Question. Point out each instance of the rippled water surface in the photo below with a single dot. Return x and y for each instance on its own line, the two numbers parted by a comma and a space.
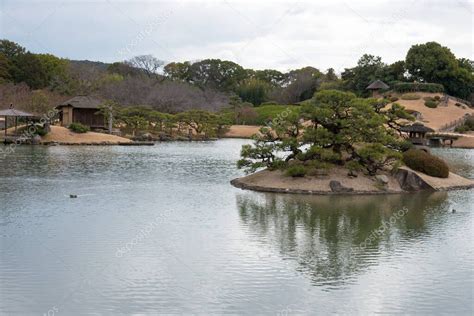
160, 230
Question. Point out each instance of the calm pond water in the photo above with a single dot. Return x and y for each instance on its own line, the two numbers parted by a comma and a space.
160, 230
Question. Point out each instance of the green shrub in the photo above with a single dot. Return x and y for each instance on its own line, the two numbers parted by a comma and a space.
267, 113
437, 98
422, 87
461, 129
419, 160
410, 96
467, 126
393, 99
431, 104
296, 171
406, 145
318, 168
78, 128
470, 122
278, 164
458, 104
41, 131
354, 166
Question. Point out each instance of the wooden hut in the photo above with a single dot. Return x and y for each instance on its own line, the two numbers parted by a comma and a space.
82, 109
376, 87
417, 132
12, 114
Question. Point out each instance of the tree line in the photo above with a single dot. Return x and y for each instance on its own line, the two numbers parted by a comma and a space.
214, 84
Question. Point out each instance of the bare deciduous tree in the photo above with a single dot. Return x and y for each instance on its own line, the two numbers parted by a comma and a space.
147, 63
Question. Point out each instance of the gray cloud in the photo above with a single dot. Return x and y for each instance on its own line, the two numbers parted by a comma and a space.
257, 34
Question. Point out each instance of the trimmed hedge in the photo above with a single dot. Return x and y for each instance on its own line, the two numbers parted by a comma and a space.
393, 99
431, 104
410, 96
78, 128
420, 160
422, 87
296, 171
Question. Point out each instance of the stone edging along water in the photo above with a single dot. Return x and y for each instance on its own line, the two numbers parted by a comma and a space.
409, 182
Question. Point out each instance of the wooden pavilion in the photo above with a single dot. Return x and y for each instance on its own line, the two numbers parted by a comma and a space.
82, 109
10, 113
376, 87
417, 133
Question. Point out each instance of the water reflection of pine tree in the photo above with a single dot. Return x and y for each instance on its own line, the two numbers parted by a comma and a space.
323, 234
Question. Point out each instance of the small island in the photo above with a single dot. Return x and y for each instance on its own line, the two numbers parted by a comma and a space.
341, 144
337, 182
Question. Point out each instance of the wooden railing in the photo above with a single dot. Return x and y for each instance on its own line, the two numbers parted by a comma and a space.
453, 124
460, 100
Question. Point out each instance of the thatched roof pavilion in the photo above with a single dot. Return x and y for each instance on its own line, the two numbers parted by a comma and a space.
15, 113
82, 102
376, 86
11, 112
82, 109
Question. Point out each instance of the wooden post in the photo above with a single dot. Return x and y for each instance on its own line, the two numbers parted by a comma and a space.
111, 120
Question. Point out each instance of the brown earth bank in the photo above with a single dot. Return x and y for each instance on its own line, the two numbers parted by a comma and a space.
337, 182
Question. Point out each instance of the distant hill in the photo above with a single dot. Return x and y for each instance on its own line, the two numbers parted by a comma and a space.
92, 64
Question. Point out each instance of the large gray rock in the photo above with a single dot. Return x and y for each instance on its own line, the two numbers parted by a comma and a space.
410, 181
36, 140
382, 179
336, 186
143, 137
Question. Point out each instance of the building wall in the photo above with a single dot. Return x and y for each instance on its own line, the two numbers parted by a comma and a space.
88, 117
67, 115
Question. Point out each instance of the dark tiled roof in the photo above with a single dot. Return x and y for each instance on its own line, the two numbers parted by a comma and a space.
82, 102
417, 128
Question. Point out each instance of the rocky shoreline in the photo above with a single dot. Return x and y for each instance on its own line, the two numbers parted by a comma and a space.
404, 181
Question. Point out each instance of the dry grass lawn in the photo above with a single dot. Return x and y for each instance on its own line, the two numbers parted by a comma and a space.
438, 117
61, 134
242, 131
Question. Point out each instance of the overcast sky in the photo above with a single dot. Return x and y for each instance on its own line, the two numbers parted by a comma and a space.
257, 34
